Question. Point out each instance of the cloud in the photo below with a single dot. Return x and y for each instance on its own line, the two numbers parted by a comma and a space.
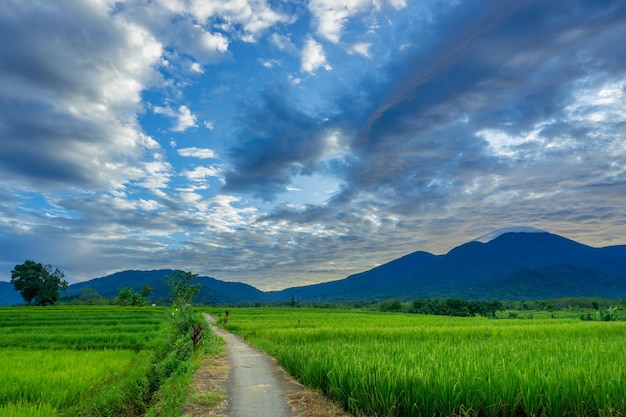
204, 46
277, 140
197, 153
313, 57
362, 48
184, 118
253, 16
416, 146
68, 114
465, 118
283, 43
195, 67
495, 113
331, 16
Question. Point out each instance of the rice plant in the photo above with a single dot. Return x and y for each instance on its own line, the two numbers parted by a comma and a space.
54, 358
383, 364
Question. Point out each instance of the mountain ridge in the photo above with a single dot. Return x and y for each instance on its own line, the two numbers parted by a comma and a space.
518, 265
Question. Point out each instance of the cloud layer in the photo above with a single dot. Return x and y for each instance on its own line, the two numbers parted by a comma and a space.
282, 143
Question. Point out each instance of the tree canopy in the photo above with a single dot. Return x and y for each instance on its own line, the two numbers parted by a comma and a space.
38, 283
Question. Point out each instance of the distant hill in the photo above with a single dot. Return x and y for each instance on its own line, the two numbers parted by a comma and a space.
8, 296
523, 264
212, 290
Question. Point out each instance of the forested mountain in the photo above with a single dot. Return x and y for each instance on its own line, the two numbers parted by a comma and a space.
212, 290
510, 266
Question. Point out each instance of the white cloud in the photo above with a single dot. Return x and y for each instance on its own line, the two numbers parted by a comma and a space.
331, 16
197, 153
155, 175
199, 174
283, 43
195, 67
184, 118
362, 48
269, 63
313, 57
204, 46
214, 41
190, 197
254, 16
175, 6
294, 80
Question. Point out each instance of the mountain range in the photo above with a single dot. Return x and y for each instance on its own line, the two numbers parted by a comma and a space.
511, 264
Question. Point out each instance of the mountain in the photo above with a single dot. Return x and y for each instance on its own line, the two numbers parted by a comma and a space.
8, 296
517, 263
381, 282
553, 282
475, 262
211, 290
524, 264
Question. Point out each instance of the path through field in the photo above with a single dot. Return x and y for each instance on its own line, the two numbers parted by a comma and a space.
257, 386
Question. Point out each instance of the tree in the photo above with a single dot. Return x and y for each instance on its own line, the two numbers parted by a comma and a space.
128, 297
38, 282
183, 292
90, 296
182, 289
146, 290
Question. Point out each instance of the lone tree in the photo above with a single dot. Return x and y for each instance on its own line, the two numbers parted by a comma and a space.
38, 282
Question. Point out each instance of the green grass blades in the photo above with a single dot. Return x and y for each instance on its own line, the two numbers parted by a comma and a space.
76, 327
54, 359
27, 409
383, 364
56, 378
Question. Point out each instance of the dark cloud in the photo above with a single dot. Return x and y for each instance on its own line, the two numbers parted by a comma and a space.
276, 141
40, 143
506, 66
511, 67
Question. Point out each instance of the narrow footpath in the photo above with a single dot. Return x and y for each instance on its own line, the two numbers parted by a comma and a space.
257, 386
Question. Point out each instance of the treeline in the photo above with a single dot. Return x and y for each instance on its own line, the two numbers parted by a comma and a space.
445, 307
457, 307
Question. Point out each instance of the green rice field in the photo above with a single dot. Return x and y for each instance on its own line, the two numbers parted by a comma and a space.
53, 360
388, 364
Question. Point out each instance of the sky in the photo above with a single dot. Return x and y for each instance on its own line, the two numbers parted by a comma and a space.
284, 143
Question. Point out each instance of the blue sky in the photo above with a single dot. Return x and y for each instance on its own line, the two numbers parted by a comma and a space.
288, 143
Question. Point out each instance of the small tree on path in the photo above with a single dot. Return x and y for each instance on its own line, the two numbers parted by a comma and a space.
182, 315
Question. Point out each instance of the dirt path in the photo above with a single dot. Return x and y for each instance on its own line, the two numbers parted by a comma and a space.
256, 386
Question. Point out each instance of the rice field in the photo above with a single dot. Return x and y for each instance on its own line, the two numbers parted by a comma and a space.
387, 364
54, 358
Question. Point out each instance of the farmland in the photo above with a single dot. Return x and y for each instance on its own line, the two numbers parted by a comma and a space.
77, 360
388, 364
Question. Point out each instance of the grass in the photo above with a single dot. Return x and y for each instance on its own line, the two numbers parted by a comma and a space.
59, 379
91, 361
387, 364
